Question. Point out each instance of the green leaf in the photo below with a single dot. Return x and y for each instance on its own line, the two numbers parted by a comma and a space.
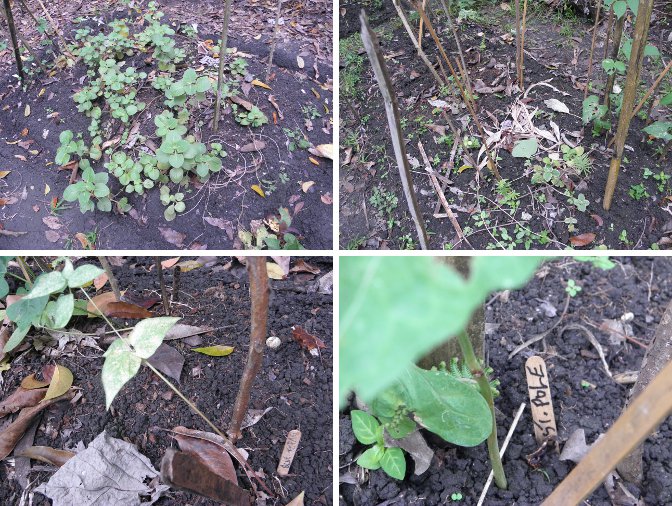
370, 459
25, 310
148, 335
83, 275
65, 137
384, 300
364, 426
660, 130
202, 84
394, 463
57, 314
592, 109
120, 366
176, 160
619, 8
16, 337
104, 205
651, 51
404, 427
217, 350
46, 284
4, 287
446, 406
525, 149
666, 100
72, 192
634, 5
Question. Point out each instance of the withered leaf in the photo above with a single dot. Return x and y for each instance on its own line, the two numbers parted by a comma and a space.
214, 456
21, 398
47, 454
168, 360
173, 237
305, 339
120, 309
582, 239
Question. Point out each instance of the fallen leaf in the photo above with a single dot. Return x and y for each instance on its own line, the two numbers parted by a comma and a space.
253, 146
297, 501
257, 82
173, 237
217, 350
26, 111
46, 454
598, 219
41, 92
60, 383
302, 266
306, 186
283, 262
3, 173
300, 62
52, 222
210, 453
274, 271
122, 475
180, 331
556, 105
84, 241
324, 150
21, 157
21, 398
167, 264
582, 239
305, 339
258, 190
326, 199
11, 434
225, 225
100, 301
313, 161
168, 360
52, 236
189, 265
100, 281
121, 309
242, 102
24, 132
252, 417
47, 189
31, 382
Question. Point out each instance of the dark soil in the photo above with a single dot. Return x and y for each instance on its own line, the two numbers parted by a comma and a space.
228, 196
642, 286
296, 384
558, 45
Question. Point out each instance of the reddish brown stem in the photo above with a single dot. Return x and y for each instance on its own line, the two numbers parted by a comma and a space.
256, 268
164, 290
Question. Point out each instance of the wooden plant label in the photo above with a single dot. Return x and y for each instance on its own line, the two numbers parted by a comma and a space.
539, 388
289, 451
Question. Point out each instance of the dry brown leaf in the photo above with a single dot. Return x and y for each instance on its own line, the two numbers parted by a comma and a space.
302, 266
46, 454
14, 431
173, 237
31, 382
121, 309
61, 382
582, 239
297, 501
253, 146
305, 339
242, 102
100, 281
214, 456
21, 398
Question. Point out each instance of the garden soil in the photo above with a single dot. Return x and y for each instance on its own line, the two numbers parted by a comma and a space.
557, 48
641, 286
34, 181
294, 383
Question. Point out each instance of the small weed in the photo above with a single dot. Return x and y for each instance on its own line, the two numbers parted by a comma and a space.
638, 191
572, 288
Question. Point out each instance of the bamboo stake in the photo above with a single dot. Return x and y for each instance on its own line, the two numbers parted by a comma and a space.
259, 292
162, 284
452, 27
652, 89
629, 94
278, 8
521, 68
12, 33
592, 49
639, 420
28, 48
467, 99
392, 110
518, 63
610, 24
422, 28
222, 56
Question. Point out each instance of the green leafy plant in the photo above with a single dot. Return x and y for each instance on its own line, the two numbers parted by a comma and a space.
296, 139
273, 233
254, 117
69, 146
572, 288
368, 431
175, 203
93, 186
581, 202
49, 303
189, 87
638, 191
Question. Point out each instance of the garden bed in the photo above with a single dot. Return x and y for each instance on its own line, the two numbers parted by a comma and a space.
523, 213
293, 382
269, 157
583, 395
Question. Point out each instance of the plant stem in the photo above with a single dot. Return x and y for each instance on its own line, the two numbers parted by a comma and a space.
222, 56
259, 292
484, 386
592, 50
162, 283
12, 32
274, 42
25, 270
618, 35
110, 276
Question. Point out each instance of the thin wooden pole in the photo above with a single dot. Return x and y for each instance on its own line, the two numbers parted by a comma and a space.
392, 110
110, 276
618, 35
629, 95
274, 42
652, 89
259, 291
15, 43
521, 68
592, 50
222, 56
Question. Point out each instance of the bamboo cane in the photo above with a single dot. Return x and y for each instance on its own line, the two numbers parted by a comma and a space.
222, 56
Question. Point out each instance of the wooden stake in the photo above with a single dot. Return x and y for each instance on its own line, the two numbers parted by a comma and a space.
629, 94
518, 62
222, 56
521, 68
639, 420
652, 89
259, 292
15, 43
274, 42
392, 110
162, 284
592, 50
618, 35
110, 276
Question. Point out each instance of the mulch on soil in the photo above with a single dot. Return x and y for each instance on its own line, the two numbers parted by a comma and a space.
227, 197
642, 286
296, 384
553, 54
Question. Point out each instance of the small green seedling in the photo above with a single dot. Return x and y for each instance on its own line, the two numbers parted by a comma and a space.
456, 497
369, 431
572, 288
